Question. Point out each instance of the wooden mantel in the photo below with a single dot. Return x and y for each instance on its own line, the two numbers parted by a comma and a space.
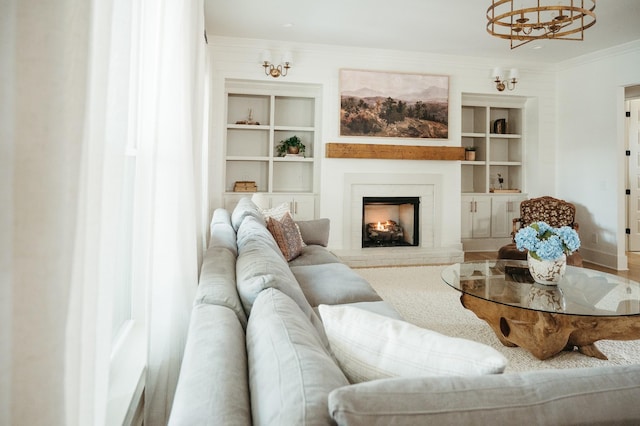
394, 152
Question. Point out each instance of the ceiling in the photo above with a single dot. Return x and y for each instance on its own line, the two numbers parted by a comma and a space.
456, 27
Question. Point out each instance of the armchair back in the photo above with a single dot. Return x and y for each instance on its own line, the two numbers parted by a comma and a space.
546, 209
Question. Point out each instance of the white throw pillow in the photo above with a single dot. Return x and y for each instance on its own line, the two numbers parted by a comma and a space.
369, 346
276, 212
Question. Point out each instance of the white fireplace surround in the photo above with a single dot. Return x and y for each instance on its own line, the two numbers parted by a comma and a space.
428, 187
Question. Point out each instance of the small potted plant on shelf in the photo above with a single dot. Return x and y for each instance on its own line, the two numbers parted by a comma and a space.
470, 153
291, 146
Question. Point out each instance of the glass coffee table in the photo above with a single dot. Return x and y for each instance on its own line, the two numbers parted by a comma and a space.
585, 306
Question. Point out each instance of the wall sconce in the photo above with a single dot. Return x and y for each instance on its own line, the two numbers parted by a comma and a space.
276, 71
501, 83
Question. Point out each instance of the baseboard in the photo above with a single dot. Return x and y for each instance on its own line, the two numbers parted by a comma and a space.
608, 260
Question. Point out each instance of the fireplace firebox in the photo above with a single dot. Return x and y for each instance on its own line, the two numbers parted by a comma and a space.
390, 221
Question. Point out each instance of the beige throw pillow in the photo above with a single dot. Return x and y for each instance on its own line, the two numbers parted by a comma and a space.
369, 346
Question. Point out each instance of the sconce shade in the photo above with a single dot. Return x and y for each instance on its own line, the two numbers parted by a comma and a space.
497, 73
514, 74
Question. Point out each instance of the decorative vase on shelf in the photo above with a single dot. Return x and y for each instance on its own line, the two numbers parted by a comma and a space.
547, 272
545, 298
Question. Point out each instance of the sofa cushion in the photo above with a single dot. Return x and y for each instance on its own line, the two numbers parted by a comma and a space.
260, 265
287, 236
315, 231
220, 215
602, 395
370, 346
217, 284
243, 209
314, 255
223, 235
253, 231
332, 284
213, 382
290, 371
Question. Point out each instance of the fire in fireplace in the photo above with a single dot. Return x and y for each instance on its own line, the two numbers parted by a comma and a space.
390, 221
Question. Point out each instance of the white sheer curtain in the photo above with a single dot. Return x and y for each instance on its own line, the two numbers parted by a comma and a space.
45, 56
172, 65
62, 160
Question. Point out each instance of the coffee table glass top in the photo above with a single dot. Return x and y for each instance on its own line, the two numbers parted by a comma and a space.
581, 291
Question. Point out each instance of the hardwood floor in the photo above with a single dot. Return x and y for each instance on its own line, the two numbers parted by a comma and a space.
632, 273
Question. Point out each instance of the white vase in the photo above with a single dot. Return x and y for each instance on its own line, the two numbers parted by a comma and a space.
547, 272
545, 298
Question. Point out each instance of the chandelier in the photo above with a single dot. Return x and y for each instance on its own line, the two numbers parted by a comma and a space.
534, 20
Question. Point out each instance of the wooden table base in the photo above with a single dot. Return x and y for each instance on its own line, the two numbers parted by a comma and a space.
545, 334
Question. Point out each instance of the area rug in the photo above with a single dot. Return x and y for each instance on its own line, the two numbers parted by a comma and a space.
422, 298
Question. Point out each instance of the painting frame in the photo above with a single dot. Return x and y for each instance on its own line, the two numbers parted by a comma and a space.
387, 104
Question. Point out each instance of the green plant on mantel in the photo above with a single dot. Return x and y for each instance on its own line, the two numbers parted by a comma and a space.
292, 145
469, 148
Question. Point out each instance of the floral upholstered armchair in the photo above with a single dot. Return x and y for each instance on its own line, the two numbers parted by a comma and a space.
555, 212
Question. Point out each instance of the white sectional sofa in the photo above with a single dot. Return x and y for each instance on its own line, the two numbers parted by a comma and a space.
258, 352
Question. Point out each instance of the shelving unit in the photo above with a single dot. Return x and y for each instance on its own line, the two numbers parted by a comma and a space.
499, 154
496, 153
258, 116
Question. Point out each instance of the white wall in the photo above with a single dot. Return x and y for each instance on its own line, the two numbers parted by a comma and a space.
591, 160
319, 64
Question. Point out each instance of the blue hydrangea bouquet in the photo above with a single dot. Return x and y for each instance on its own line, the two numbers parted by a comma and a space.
545, 242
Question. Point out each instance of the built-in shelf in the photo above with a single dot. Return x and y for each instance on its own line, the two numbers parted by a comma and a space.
487, 216
258, 116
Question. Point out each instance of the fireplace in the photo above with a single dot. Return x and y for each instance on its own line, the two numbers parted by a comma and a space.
390, 221
429, 188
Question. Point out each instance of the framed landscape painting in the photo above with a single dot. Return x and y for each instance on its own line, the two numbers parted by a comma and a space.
394, 105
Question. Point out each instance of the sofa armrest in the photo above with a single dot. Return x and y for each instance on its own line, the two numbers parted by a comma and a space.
315, 231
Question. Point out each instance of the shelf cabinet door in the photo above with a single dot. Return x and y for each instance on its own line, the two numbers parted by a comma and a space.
302, 207
476, 217
503, 211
